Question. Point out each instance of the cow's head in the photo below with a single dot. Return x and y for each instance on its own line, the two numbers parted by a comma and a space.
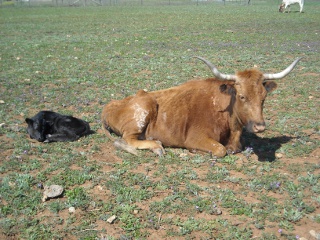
248, 90
281, 7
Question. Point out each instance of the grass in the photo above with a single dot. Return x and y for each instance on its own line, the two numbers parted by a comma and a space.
75, 60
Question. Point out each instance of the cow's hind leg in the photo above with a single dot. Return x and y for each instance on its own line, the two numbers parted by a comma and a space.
131, 144
130, 118
143, 108
155, 146
119, 143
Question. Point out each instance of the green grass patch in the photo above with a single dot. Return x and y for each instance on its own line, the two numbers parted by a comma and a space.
75, 60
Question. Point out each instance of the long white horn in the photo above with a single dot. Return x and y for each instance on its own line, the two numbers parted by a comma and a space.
216, 72
271, 76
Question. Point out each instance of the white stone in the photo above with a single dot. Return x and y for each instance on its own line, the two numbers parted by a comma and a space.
72, 210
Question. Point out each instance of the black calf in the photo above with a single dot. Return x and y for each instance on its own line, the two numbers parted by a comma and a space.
47, 126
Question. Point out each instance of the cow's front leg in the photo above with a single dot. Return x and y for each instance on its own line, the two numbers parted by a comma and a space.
234, 145
232, 149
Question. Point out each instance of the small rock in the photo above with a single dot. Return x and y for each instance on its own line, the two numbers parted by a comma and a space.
72, 210
215, 210
315, 234
1, 102
135, 211
111, 219
51, 192
279, 155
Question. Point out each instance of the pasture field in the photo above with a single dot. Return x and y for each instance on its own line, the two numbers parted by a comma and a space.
75, 60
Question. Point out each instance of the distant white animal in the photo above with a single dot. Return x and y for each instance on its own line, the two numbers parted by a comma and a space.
286, 4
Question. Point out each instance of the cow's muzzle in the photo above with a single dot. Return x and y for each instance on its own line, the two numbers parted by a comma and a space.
256, 127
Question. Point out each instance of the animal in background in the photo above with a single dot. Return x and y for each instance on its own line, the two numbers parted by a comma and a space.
286, 4
48, 126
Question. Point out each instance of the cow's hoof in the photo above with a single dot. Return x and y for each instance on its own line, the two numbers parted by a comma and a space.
230, 152
233, 150
159, 151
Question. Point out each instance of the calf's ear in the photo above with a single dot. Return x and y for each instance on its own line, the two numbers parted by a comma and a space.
270, 86
29, 121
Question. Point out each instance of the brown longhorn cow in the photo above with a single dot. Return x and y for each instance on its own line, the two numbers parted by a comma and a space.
206, 115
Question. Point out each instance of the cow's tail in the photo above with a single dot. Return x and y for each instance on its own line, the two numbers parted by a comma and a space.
105, 128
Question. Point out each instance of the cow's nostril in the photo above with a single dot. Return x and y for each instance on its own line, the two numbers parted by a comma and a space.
259, 127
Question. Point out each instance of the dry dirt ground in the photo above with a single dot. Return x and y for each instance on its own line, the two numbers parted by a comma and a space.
107, 157
302, 228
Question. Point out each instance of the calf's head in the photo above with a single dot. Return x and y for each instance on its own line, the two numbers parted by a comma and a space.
37, 128
248, 90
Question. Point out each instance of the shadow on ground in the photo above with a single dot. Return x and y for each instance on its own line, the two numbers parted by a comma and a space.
264, 148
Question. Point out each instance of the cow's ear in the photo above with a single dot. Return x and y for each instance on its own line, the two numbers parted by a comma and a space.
227, 89
270, 86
